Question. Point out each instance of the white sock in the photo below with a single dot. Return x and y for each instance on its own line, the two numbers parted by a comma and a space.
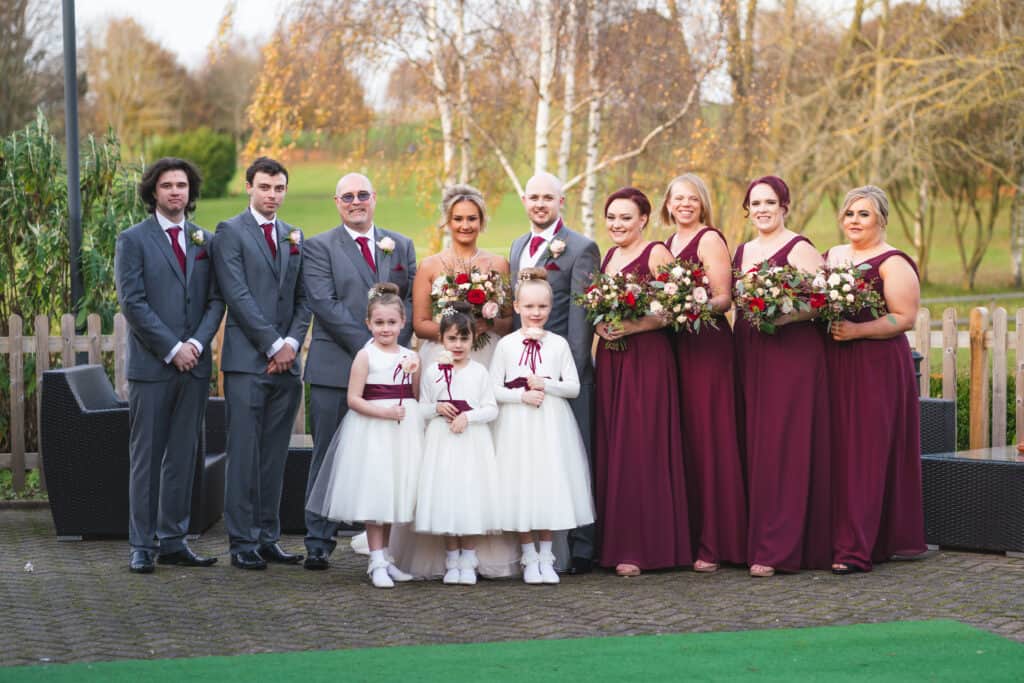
452, 555
527, 547
545, 546
469, 553
376, 556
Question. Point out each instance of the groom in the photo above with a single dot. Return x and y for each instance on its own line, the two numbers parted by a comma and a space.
340, 268
570, 259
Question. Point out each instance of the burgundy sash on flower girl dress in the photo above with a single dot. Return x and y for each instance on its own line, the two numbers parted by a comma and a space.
376, 392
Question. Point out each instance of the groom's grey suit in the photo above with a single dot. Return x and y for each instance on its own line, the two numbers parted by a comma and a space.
569, 274
163, 307
266, 302
337, 280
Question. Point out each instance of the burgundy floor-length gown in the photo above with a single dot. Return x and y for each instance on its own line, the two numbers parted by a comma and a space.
784, 404
876, 429
711, 456
640, 487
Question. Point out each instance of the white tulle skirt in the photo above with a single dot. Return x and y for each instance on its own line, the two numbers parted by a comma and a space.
542, 467
372, 468
458, 484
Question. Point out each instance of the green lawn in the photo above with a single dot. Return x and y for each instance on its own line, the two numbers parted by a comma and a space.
309, 205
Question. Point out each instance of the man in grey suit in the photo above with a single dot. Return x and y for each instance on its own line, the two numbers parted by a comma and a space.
259, 270
169, 298
340, 267
570, 259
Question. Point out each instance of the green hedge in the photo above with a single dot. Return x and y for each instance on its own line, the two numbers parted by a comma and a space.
214, 153
963, 419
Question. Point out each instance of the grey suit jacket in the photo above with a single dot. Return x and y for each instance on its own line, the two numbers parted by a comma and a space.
264, 295
337, 280
161, 305
569, 274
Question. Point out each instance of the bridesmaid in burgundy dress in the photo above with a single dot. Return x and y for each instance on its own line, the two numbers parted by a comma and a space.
877, 508
640, 488
707, 387
784, 402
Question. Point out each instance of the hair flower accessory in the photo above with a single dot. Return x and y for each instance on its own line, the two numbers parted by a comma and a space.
447, 311
386, 245
197, 237
556, 248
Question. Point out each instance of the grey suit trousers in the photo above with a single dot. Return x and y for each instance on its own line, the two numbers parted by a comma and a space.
327, 408
260, 410
165, 418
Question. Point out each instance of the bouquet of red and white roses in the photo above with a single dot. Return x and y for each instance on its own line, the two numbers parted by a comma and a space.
766, 292
842, 291
681, 292
486, 291
612, 299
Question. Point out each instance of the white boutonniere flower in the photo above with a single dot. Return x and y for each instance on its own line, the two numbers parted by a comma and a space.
295, 237
198, 238
556, 248
386, 245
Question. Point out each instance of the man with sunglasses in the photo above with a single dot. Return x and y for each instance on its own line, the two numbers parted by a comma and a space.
339, 268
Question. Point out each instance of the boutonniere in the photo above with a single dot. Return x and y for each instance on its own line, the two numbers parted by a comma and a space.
556, 248
386, 245
295, 238
197, 237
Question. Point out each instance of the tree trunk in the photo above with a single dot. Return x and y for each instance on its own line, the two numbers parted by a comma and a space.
593, 122
544, 79
465, 153
568, 90
1017, 227
442, 93
878, 99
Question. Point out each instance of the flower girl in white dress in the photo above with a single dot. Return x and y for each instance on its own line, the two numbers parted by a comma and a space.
458, 486
542, 462
372, 467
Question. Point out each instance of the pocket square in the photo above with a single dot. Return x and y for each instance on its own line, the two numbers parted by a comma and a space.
399, 267
551, 266
294, 250
202, 255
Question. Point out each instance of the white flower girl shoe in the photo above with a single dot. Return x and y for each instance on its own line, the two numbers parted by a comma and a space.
452, 573
547, 568
467, 568
531, 567
378, 571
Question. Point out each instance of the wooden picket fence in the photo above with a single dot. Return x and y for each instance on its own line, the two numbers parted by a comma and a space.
987, 336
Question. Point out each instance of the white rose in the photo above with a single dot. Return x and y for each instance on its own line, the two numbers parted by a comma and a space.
681, 318
489, 310
386, 244
677, 272
671, 288
656, 307
834, 295
477, 277
687, 281
775, 291
849, 297
767, 282
445, 358
787, 305
534, 333
760, 291
834, 279
818, 282
556, 248
706, 280
846, 288
700, 295
464, 287
633, 287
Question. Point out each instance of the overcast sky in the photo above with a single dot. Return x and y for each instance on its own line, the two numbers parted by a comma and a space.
185, 27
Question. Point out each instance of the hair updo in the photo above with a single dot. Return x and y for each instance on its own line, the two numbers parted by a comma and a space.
460, 316
384, 294
632, 194
533, 277
453, 194
873, 194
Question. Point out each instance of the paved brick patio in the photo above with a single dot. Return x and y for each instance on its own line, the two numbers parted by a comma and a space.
81, 604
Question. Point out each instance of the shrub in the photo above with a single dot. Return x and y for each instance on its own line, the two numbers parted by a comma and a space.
214, 153
963, 417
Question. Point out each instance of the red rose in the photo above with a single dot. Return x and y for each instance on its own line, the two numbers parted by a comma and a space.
698, 273
817, 300
861, 285
462, 278
662, 277
628, 299
757, 304
476, 296
591, 288
692, 316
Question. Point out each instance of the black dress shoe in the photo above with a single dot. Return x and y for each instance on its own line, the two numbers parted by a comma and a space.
275, 553
317, 559
248, 559
581, 565
141, 562
186, 558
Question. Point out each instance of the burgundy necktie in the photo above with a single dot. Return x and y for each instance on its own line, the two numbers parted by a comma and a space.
535, 244
364, 245
173, 233
268, 234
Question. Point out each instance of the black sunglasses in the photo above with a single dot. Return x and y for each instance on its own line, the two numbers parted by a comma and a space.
362, 196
